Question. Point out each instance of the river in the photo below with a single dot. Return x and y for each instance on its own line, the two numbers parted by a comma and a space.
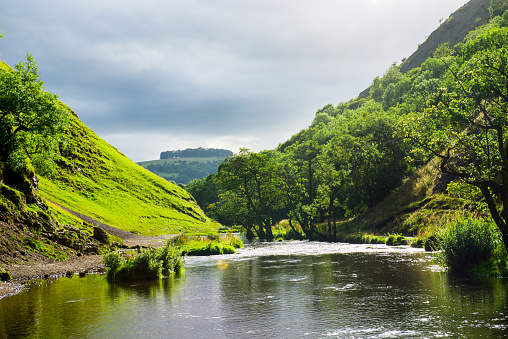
270, 290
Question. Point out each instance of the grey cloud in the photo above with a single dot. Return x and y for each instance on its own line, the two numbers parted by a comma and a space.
254, 70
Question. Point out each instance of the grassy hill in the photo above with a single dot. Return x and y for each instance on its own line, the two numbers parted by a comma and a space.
93, 178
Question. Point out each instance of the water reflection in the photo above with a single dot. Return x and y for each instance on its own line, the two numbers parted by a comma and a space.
288, 290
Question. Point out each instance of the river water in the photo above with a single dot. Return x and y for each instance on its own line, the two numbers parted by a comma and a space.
270, 290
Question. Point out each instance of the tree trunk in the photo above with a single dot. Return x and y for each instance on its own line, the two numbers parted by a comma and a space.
261, 231
250, 234
330, 207
334, 227
268, 229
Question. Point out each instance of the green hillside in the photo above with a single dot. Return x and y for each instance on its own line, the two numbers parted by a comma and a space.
95, 179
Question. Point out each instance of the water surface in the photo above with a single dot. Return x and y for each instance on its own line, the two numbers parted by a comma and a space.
270, 290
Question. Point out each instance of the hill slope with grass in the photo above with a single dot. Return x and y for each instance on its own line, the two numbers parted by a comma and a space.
86, 190
93, 178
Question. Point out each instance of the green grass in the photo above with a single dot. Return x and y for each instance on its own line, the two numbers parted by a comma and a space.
95, 179
213, 244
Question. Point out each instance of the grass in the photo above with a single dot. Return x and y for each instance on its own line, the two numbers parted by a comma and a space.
156, 263
473, 246
213, 244
95, 179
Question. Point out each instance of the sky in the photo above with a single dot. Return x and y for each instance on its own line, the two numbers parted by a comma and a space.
155, 75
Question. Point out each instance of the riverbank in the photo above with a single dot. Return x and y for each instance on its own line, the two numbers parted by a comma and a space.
85, 264
23, 273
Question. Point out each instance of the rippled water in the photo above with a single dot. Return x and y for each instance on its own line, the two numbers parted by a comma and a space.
271, 290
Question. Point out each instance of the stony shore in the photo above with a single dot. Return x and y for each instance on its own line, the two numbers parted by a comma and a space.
23, 273
78, 265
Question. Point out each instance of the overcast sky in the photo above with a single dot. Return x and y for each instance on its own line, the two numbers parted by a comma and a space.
154, 75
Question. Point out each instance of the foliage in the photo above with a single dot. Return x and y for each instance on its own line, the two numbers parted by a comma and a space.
5, 275
497, 7
467, 127
206, 193
396, 240
252, 178
145, 265
467, 243
32, 121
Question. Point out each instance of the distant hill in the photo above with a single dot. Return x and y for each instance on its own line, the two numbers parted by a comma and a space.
183, 166
197, 153
183, 170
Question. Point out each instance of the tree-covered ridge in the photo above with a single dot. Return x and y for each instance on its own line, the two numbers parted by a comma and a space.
199, 152
356, 153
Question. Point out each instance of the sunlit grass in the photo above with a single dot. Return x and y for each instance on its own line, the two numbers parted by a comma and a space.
94, 179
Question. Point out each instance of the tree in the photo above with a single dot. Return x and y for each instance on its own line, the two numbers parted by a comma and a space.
334, 171
468, 130
32, 121
252, 177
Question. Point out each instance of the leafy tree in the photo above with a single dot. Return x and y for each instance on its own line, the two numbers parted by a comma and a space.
252, 178
32, 121
293, 191
379, 85
334, 171
468, 130
206, 192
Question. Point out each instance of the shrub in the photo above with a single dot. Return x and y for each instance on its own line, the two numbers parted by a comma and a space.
467, 243
148, 264
233, 240
396, 240
5, 275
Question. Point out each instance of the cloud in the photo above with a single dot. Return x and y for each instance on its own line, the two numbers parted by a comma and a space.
196, 71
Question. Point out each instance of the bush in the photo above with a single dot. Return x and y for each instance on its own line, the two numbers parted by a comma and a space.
5, 275
466, 244
396, 240
146, 265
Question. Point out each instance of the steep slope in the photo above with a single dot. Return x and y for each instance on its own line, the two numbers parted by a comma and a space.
452, 31
93, 178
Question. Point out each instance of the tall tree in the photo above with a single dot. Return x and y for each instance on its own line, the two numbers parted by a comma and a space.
253, 178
